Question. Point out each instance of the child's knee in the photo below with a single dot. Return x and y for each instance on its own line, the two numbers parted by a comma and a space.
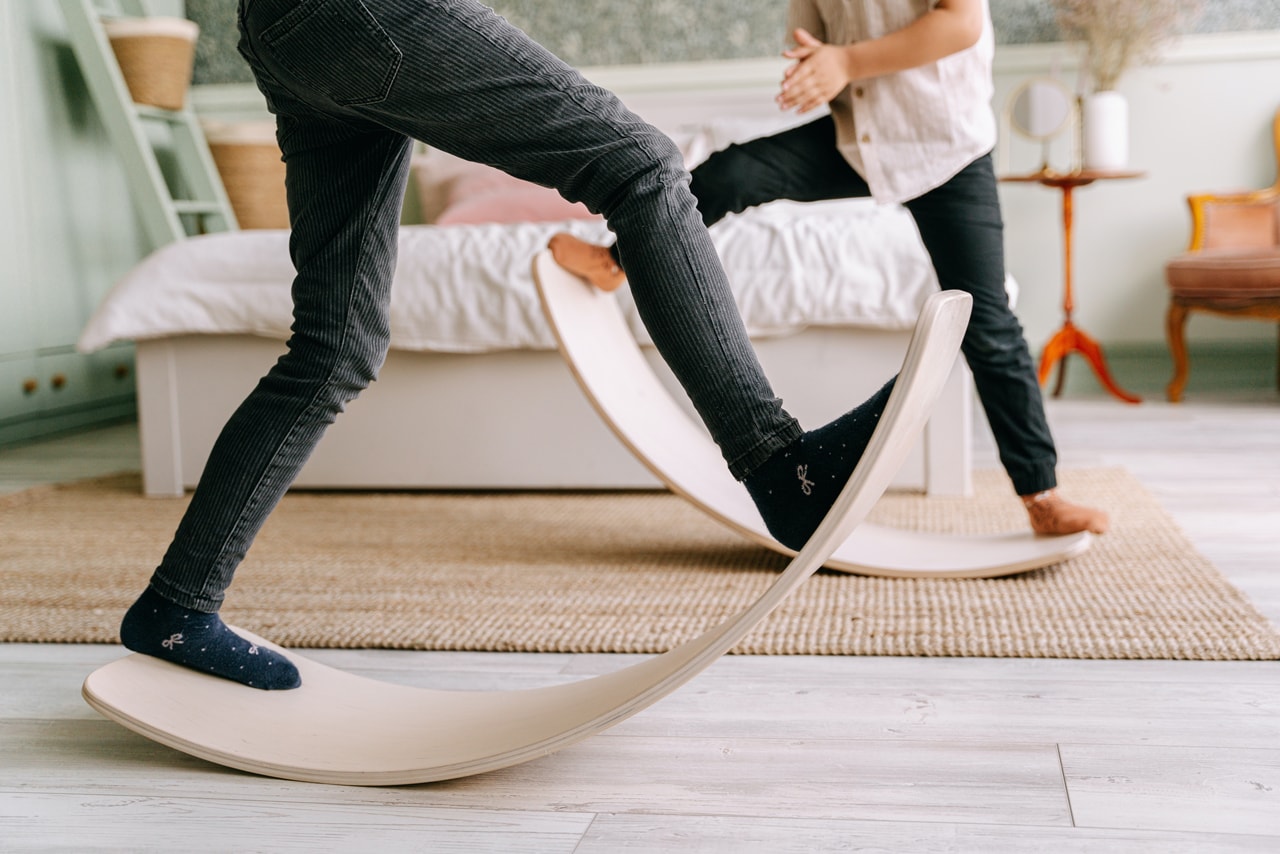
644, 168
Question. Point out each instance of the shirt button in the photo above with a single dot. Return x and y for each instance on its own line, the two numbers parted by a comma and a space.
858, 92
866, 137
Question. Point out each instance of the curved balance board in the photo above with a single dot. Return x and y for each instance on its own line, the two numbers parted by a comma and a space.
606, 361
350, 730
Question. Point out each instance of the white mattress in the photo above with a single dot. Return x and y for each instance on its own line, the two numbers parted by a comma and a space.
467, 289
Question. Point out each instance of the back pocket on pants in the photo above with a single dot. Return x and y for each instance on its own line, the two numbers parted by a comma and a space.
336, 48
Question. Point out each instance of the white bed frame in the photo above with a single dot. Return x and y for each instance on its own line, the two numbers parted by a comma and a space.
506, 420
517, 420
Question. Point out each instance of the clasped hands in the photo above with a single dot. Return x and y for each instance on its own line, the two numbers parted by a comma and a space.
818, 74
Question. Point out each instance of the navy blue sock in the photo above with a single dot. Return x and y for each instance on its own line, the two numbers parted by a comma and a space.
201, 641
794, 488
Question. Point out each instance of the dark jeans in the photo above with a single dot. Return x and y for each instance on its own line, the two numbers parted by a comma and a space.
352, 84
961, 227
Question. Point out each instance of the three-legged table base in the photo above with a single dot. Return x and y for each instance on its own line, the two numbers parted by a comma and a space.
1067, 340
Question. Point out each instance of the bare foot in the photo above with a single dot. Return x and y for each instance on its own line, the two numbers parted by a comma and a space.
588, 261
1051, 514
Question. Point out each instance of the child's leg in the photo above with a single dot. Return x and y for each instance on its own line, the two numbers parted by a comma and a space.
801, 164
794, 488
344, 187
346, 180
961, 227
471, 84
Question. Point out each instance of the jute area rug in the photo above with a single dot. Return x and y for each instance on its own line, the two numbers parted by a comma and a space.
620, 572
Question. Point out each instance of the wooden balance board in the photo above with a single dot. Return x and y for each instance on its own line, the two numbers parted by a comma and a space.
595, 340
345, 729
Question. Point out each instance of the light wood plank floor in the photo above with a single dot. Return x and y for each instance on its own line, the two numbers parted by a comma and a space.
759, 754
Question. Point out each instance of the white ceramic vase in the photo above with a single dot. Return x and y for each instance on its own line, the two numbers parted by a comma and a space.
1105, 117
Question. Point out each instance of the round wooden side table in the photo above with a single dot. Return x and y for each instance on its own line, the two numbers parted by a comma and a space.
1070, 338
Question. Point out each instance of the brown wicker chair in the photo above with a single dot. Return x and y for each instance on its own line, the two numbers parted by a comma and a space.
1231, 267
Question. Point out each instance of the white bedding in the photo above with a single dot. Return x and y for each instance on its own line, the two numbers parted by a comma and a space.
468, 289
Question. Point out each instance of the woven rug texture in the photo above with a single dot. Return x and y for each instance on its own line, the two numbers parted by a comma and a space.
632, 572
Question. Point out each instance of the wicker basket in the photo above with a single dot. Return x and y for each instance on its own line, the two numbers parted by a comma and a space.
156, 56
249, 160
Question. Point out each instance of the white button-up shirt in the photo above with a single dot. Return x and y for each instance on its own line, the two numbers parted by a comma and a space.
909, 132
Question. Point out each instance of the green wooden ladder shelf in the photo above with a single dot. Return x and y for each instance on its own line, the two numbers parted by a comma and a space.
192, 200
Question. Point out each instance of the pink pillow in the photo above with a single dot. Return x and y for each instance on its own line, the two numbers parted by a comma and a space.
480, 194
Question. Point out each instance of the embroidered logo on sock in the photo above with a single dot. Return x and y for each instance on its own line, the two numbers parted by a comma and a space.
253, 650
806, 485
172, 641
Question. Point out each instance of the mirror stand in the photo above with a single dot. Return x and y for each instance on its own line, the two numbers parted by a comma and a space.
1040, 110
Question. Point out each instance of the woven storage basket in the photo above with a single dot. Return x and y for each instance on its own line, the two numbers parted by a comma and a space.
156, 56
249, 160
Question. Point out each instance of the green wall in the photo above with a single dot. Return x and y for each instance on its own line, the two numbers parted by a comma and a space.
67, 232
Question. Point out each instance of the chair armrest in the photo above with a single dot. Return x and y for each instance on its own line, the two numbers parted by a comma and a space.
1202, 205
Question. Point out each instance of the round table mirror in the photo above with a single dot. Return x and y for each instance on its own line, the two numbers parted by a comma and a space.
1041, 108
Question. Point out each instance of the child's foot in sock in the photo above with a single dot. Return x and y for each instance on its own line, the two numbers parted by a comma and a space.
795, 487
588, 261
1051, 514
201, 641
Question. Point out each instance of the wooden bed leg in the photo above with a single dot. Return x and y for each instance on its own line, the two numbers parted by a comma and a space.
948, 444
158, 420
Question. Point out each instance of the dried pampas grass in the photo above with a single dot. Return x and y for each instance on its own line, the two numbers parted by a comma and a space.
1120, 34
